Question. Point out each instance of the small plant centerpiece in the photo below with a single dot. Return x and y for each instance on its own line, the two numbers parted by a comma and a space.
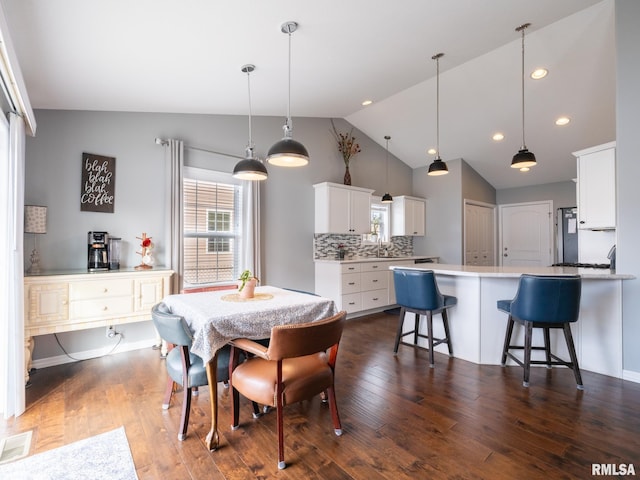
348, 147
247, 284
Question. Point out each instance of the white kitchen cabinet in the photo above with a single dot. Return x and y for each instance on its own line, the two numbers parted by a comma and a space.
408, 216
596, 188
342, 208
72, 301
355, 287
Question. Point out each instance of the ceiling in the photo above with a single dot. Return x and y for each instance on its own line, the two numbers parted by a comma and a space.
186, 57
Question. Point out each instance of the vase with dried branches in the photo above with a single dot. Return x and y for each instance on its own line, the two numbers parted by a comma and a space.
347, 147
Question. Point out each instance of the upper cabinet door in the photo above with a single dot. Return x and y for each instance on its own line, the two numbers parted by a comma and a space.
342, 209
597, 187
408, 216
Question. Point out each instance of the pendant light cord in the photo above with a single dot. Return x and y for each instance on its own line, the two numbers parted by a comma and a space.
249, 96
436, 57
387, 137
521, 29
289, 95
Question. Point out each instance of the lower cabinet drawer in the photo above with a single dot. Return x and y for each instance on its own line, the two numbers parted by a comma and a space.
352, 303
350, 283
101, 308
375, 299
374, 280
100, 289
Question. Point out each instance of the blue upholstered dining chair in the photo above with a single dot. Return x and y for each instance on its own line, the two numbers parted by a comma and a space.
417, 292
543, 302
182, 364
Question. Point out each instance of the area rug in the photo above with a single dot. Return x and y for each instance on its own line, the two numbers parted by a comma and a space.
102, 457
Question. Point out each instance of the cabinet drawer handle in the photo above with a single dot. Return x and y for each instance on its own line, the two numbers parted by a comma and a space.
351, 283
375, 266
105, 290
374, 281
352, 303
376, 299
105, 308
351, 268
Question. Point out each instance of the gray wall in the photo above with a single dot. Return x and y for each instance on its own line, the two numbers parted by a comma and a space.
54, 157
445, 197
563, 194
628, 173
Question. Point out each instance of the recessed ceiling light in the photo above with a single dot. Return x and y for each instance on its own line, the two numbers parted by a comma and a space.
432, 151
367, 102
562, 121
498, 136
525, 169
539, 73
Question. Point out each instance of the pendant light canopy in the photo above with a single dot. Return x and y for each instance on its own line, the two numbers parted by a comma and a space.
250, 168
524, 158
386, 198
438, 167
287, 152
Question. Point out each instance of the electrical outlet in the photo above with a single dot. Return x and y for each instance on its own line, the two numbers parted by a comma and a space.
111, 331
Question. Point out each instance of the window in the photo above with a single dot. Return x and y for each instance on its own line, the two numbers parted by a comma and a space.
380, 227
212, 213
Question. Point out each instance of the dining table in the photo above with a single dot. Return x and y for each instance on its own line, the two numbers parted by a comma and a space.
217, 317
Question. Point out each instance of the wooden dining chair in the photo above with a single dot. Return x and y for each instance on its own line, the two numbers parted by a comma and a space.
298, 364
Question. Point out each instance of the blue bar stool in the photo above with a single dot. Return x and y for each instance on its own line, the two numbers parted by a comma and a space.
543, 302
417, 292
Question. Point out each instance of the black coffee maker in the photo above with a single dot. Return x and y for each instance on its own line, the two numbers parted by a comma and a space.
98, 251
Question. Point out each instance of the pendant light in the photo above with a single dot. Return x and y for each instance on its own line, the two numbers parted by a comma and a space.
250, 168
287, 152
386, 198
524, 158
438, 167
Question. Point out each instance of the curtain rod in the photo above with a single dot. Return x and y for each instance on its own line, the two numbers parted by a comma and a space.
164, 143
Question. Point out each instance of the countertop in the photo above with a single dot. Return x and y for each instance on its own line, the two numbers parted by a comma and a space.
358, 259
514, 272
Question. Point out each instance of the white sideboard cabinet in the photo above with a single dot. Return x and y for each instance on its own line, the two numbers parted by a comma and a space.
408, 216
596, 187
63, 302
342, 209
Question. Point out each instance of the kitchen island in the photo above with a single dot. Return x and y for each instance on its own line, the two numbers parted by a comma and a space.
478, 328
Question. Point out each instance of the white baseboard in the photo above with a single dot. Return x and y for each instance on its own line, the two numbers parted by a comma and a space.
95, 353
631, 376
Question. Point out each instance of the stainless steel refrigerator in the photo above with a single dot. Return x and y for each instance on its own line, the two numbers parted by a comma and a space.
567, 235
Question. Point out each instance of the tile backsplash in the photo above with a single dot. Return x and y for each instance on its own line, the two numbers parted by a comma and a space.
326, 245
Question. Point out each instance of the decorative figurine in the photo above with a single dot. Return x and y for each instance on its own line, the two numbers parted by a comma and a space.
147, 258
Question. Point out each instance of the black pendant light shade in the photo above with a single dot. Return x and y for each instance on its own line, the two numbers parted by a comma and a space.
387, 198
287, 152
438, 167
524, 158
250, 168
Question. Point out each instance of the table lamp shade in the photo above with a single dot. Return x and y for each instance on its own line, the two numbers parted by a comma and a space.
35, 219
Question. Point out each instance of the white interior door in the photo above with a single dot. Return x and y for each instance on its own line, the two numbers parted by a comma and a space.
526, 232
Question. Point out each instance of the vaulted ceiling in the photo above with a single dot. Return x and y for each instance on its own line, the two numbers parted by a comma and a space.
186, 57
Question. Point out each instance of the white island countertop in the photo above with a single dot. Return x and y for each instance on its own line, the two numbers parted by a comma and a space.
513, 272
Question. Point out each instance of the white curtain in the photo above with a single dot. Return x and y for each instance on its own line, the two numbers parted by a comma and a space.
12, 354
251, 228
175, 151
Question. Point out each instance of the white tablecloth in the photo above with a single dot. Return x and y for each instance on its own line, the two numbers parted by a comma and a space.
215, 321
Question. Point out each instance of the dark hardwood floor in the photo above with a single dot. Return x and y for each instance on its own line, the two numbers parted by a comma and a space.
400, 418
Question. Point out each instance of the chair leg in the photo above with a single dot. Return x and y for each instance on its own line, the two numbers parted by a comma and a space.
416, 328
399, 332
280, 421
572, 353
333, 408
168, 393
445, 321
528, 334
507, 340
430, 333
186, 407
547, 346
234, 357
